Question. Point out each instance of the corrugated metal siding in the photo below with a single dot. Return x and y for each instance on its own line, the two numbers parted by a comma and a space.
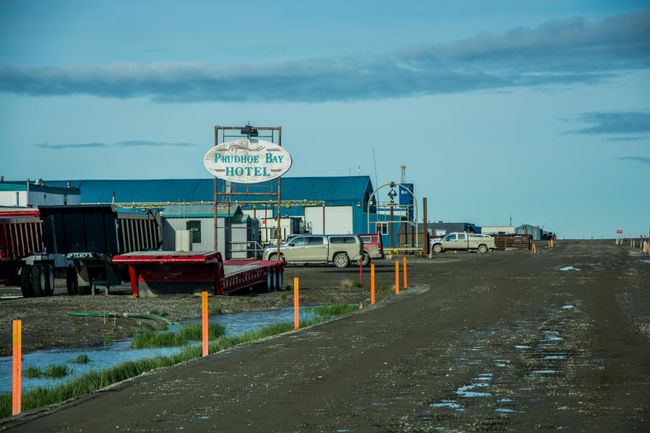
345, 190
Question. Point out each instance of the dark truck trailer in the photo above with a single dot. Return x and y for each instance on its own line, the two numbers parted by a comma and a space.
21, 238
90, 235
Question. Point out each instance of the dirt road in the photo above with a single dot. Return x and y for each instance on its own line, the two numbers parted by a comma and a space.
504, 342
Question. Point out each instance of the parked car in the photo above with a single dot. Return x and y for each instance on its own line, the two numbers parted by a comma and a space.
337, 249
463, 241
372, 247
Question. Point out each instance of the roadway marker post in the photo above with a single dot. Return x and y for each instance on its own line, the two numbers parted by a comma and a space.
17, 368
396, 277
296, 303
372, 284
204, 322
406, 284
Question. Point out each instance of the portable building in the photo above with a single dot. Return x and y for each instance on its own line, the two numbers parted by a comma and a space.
30, 194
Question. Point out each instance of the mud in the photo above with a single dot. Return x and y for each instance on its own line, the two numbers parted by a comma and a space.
501, 342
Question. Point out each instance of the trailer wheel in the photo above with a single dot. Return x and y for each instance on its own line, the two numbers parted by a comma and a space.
270, 281
279, 275
38, 280
48, 271
365, 261
71, 281
26, 281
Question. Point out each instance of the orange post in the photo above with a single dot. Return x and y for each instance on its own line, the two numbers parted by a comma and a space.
17, 368
204, 322
296, 303
533, 248
372, 284
406, 279
396, 277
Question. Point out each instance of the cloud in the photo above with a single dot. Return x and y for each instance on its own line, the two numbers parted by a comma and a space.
70, 146
136, 143
128, 143
633, 122
642, 159
633, 138
558, 52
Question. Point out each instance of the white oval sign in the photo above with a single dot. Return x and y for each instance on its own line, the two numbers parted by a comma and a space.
247, 161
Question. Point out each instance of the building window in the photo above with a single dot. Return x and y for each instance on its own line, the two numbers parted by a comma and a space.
382, 228
195, 228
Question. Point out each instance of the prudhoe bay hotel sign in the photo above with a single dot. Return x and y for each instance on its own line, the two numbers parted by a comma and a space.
247, 161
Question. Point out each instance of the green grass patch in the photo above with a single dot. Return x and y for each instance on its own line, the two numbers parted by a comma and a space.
329, 311
81, 359
52, 371
187, 333
96, 380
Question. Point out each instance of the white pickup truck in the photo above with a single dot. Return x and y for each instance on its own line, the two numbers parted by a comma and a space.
463, 241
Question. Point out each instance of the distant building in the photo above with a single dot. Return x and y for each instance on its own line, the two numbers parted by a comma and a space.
498, 230
535, 231
440, 229
34, 194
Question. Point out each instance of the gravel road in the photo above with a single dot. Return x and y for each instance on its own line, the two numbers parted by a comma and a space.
502, 342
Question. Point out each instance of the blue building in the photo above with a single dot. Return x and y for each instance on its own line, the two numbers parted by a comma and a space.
332, 204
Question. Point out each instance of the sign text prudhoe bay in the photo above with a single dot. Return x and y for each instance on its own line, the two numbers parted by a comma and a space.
247, 161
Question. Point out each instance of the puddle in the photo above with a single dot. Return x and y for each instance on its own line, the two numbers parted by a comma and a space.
467, 391
568, 307
108, 356
521, 347
451, 404
552, 336
646, 261
569, 268
560, 356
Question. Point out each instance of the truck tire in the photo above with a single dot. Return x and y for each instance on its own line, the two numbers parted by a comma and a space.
38, 280
482, 249
365, 261
341, 260
270, 282
437, 248
26, 281
48, 270
71, 281
279, 280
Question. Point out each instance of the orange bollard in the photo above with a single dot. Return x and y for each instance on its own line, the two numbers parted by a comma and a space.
204, 322
406, 280
533, 248
372, 284
396, 277
17, 368
296, 303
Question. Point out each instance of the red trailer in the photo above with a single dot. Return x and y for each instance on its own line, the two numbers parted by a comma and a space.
160, 272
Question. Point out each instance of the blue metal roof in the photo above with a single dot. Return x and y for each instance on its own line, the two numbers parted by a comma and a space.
334, 190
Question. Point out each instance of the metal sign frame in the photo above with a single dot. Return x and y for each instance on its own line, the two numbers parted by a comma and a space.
230, 133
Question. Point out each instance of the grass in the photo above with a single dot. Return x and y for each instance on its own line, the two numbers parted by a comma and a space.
96, 380
187, 333
52, 371
215, 310
81, 359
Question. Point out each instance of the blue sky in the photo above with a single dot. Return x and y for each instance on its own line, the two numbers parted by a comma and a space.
536, 109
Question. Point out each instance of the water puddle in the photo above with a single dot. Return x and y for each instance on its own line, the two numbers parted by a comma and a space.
569, 268
467, 391
645, 261
450, 404
559, 356
119, 352
568, 307
521, 347
552, 336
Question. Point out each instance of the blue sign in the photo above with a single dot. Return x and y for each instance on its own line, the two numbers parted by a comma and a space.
406, 198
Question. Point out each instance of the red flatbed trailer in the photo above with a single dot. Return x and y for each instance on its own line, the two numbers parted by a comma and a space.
161, 272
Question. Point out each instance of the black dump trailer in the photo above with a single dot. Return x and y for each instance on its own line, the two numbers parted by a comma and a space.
88, 236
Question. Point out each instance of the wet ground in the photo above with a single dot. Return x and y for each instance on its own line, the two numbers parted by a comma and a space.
502, 342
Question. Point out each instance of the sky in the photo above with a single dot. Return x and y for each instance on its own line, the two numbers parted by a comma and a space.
535, 110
